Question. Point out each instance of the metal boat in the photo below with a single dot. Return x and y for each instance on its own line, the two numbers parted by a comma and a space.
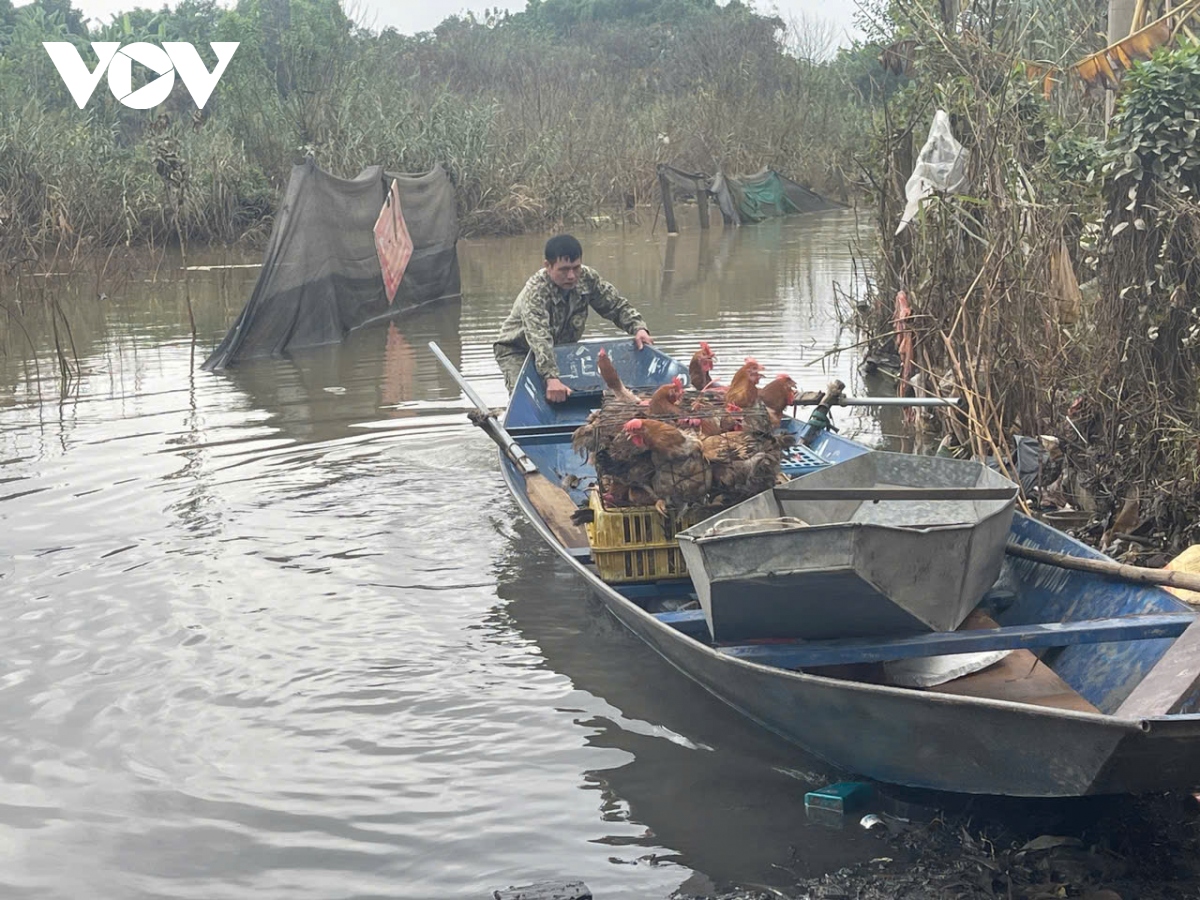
1097, 694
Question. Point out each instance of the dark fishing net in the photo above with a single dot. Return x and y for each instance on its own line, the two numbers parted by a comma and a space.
321, 276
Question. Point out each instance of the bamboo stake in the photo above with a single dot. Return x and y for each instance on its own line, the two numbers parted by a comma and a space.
1135, 574
664, 187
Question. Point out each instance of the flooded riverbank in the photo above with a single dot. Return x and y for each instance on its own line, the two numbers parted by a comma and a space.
282, 633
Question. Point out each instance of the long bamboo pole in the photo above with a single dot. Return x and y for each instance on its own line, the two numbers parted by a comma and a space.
884, 401
1136, 574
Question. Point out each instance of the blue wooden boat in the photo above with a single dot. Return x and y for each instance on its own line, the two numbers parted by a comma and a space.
1099, 694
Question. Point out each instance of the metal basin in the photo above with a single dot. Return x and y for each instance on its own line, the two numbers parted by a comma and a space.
882, 544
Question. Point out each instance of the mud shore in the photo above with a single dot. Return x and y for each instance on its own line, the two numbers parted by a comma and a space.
1104, 848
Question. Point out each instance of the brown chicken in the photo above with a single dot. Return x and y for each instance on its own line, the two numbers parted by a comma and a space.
603, 439
603, 427
681, 474
743, 388
778, 395
623, 469
747, 462
664, 404
716, 417
701, 366
609, 373
631, 489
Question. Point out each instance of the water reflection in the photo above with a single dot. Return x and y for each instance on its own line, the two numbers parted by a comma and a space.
318, 394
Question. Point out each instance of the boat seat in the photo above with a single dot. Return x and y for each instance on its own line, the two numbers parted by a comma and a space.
1020, 677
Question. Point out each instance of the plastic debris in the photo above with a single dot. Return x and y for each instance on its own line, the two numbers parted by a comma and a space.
929, 671
941, 166
873, 822
1187, 561
546, 890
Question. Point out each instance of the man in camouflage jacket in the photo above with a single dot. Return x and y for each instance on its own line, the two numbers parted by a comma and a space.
552, 309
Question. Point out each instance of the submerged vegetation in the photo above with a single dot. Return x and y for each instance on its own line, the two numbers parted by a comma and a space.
546, 116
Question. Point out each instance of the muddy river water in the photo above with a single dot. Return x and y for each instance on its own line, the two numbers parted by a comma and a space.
281, 633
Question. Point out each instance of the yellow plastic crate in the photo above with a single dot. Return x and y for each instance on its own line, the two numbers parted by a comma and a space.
634, 543
657, 564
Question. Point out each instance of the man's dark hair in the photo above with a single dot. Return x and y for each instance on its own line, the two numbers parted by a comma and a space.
563, 246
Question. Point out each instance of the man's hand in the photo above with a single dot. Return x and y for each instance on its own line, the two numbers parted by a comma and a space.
556, 391
642, 338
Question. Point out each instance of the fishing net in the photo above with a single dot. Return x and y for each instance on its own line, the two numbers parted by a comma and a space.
746, 199
321, 276
765, 195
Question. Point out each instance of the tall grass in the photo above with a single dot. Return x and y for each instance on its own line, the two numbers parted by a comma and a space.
539, 123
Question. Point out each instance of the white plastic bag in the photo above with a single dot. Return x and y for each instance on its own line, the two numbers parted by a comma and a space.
941, 166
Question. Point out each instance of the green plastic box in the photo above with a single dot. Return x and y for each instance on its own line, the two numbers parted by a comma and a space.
842, 797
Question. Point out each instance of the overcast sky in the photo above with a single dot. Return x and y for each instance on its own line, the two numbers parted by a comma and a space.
410, 16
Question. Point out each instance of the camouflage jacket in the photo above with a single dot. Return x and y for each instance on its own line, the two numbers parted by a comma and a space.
543, 315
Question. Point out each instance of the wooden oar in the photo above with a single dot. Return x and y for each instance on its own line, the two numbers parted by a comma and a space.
548, 498
1136, 574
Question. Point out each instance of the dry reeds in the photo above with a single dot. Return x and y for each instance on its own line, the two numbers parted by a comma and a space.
976, 265
994, 272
